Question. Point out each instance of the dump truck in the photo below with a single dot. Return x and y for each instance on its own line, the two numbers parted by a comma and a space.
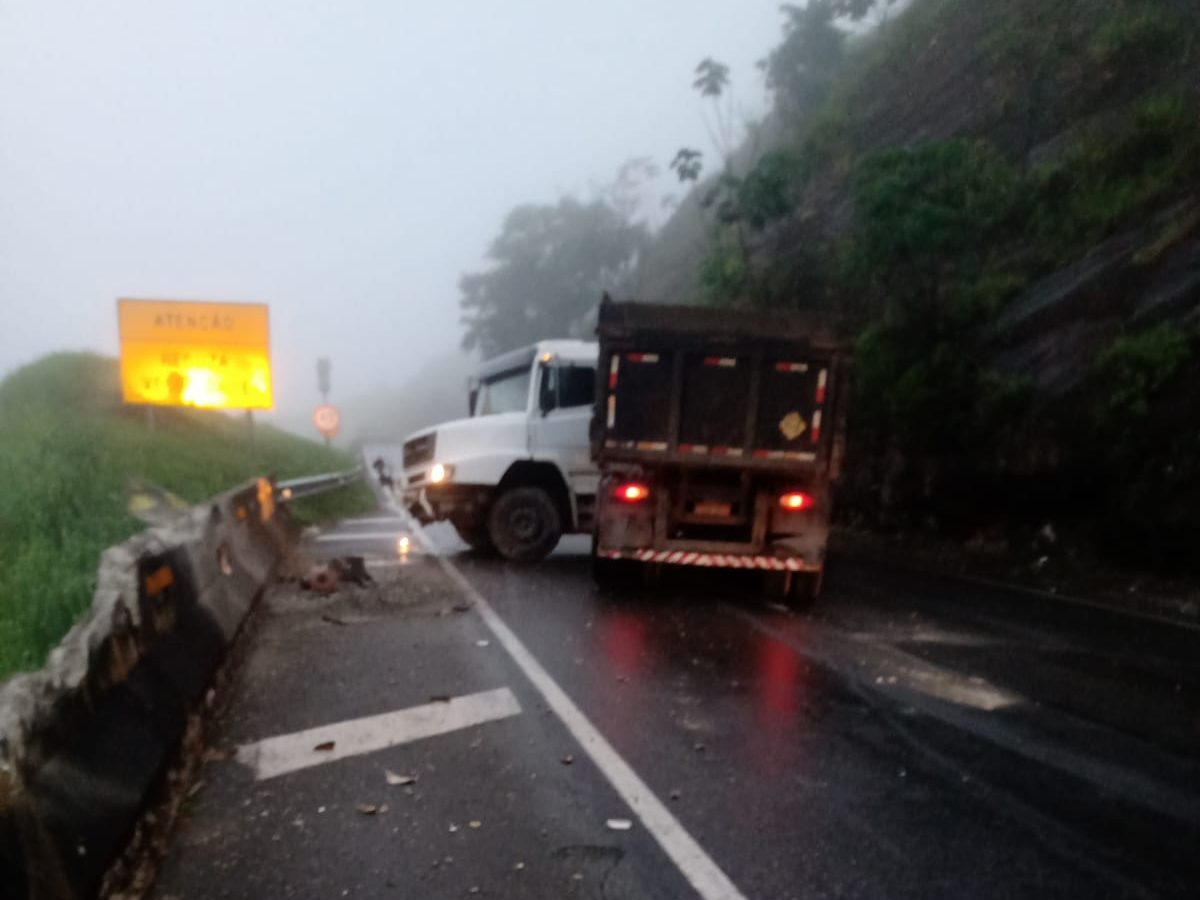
718, 434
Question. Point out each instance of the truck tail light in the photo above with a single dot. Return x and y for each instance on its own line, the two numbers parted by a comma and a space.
631, 492
794, 501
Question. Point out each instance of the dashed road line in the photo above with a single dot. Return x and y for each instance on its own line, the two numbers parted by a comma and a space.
285, 753
346, 536
379, 520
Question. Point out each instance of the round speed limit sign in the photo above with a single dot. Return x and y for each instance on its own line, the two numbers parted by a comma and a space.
327, 419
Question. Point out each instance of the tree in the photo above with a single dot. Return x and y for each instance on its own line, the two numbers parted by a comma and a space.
688, 164
550, 266
800, 70
712, 78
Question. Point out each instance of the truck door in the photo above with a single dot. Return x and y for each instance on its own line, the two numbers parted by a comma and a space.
558, 431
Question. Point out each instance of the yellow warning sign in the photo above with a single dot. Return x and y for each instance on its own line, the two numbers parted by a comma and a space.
792, 425
211, 355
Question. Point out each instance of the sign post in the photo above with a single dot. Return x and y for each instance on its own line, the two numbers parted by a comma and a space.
324, 369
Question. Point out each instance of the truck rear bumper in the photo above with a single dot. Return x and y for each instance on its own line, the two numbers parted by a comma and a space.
714, 560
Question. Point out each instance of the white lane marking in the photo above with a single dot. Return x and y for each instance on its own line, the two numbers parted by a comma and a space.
290, 752
380, 520
345, 537
389, 563
689, 857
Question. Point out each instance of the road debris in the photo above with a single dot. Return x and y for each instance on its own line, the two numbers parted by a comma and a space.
475, 824
393, 779
320, 580
568, 759
482, 642
333, 620
326, 578
325, 746
619, 824
368, 809
353, 569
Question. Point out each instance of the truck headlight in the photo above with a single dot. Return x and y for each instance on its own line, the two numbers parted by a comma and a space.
439, 473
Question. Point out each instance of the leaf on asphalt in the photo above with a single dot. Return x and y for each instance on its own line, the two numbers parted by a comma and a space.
394, 779
325, 746
619, 824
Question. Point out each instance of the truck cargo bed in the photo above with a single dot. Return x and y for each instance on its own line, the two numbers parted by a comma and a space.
717, 388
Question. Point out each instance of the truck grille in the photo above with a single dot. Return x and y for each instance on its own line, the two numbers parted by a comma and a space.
419, 450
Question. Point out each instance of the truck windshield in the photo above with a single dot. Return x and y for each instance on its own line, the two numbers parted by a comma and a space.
508, 392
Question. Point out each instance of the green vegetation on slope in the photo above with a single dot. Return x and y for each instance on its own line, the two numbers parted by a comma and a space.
960, 158
67, 451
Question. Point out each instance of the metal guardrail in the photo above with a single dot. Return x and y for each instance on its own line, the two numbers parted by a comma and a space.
296, 488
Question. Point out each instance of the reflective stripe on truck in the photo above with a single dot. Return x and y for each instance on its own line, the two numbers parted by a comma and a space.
712, 560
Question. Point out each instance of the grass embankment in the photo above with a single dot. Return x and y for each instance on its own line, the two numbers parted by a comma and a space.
68, 449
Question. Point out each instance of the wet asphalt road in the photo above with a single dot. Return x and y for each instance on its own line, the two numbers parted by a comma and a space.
908, 738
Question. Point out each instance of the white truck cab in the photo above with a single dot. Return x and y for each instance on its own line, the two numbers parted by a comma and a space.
516, 474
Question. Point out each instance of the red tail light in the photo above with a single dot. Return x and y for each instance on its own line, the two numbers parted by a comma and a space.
794, 501
631, 492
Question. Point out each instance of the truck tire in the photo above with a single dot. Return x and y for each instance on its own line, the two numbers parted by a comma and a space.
524, 524
610, 572
806, 587
798, 589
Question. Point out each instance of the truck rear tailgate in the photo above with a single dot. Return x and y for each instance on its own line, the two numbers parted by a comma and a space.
762, 405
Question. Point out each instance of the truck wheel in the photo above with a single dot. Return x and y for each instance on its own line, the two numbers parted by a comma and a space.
611, 572
798, 589
776, 585
806, 586
524, 524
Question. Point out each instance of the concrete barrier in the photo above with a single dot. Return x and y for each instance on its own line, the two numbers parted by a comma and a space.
85, 740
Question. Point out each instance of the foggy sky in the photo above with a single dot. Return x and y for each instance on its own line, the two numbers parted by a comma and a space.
342, 161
